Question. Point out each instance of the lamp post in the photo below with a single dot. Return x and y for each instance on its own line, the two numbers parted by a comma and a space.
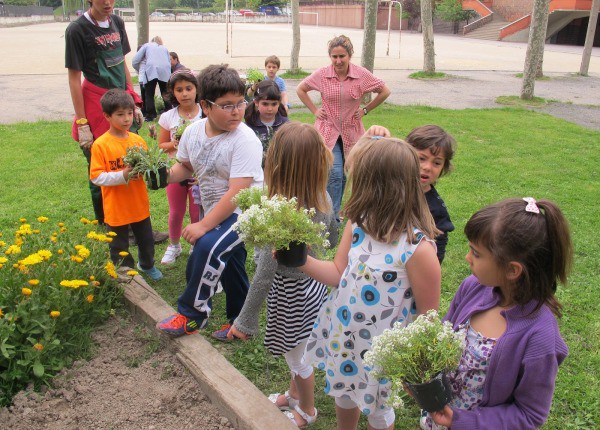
391, 3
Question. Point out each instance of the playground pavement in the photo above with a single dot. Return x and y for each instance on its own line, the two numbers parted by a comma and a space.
33, 80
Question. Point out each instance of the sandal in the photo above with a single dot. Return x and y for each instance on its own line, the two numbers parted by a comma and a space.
291, 402
309, 419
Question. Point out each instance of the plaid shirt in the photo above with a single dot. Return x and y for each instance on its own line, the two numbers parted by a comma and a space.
341, 99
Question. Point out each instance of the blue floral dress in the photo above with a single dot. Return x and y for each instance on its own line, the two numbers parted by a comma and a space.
372, 295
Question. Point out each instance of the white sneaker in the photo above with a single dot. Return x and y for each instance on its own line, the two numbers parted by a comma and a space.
171, 254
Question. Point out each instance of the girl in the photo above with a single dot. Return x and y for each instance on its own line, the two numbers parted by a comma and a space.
297, 165
519, 249
389, 273
183, 90
266, 114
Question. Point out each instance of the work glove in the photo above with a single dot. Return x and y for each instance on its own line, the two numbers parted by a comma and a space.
86, 138
138, 116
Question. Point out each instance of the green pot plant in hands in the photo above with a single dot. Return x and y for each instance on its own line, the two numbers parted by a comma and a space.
279, 224
254, 76
150, 163
417, 357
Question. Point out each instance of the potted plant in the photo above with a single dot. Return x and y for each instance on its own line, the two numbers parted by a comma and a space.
254, 76
417, 357
151, 163
278, 223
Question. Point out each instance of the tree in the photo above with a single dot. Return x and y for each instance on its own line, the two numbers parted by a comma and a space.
370, 27
142, 23
452, 11
589, 38
294, 65
427, 28
411, 9
535, 47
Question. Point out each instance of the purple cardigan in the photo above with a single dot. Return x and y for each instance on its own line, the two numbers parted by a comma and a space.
519, 383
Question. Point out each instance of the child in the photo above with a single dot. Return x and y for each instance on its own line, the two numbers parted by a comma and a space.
297, 165
266, 114
124, 197
389, 273
519, 249
225, 155
272, 65
436, 149
183, 90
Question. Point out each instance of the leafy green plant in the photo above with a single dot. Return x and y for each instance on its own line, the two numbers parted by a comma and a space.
415, 353
147, 162
275, 222
56, 283
254, 76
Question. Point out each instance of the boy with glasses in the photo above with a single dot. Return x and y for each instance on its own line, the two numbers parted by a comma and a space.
226, 157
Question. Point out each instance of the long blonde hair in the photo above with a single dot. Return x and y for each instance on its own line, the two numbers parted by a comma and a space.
297, 165
386, 197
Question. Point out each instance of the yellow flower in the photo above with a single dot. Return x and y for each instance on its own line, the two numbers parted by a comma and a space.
15, 266
32, 259
26, 291
61, 224
92, 277
53, 239
38, 346
60, 251
75, 283
95, 222
23, 219
63, 229
45, 254
90, 298
34, 282
76, 258
13, 249
42, 219
2, 243
84, 220
95, 283
132, 272
111, 233
123, 253
110, 269
3, 260
36, 231
54, 314
83, 252
1, 313
1, 265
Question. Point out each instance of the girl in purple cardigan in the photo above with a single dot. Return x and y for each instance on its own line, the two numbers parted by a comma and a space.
519, 249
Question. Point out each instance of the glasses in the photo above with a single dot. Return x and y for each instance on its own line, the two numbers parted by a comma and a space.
230, 108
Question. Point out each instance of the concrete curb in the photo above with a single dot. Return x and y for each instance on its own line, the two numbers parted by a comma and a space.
244, 405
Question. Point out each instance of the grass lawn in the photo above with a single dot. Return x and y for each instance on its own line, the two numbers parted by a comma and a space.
501, 153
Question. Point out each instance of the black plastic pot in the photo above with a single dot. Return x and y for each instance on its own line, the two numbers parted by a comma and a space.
433, 395
155, 183
293, 257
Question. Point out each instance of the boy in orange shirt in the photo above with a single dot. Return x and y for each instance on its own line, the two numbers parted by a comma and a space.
124, 197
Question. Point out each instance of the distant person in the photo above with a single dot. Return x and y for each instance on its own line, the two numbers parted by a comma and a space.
342, 86
225, 156
125, 197
96, 45
175, 64
157, 71
265, 114
272, 65
183, 90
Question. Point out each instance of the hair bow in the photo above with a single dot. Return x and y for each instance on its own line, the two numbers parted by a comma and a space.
531, 205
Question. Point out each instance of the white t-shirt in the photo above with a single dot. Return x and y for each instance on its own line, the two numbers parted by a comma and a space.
234, 154
170, 120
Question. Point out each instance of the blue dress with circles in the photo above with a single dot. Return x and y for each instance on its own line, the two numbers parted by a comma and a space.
373, 294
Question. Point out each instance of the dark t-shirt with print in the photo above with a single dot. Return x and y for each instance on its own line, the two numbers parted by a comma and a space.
99, 53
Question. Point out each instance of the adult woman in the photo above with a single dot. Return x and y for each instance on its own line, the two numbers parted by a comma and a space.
156, 70
339, 119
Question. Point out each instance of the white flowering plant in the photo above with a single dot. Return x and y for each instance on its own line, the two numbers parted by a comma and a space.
276, 222
416, 353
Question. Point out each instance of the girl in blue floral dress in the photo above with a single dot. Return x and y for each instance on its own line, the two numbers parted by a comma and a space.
385, 271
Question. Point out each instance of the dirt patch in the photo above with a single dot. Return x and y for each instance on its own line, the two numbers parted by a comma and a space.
133, 382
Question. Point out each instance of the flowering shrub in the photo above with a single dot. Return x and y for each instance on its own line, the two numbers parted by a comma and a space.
275, 222
56, 283
414, 354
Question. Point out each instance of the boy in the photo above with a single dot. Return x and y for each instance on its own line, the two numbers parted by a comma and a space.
124, 197
436, 149
226, 156
272, 65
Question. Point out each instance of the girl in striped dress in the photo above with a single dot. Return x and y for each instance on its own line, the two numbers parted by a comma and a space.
297, 165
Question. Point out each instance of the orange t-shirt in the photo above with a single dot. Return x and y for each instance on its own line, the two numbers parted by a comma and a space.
126, 203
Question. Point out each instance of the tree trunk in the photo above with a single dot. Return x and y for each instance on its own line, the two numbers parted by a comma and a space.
589, 38
427, 28
142, 18
535, 47
370, 28
294, 64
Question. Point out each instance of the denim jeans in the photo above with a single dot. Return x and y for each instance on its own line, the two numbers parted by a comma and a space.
337, 179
